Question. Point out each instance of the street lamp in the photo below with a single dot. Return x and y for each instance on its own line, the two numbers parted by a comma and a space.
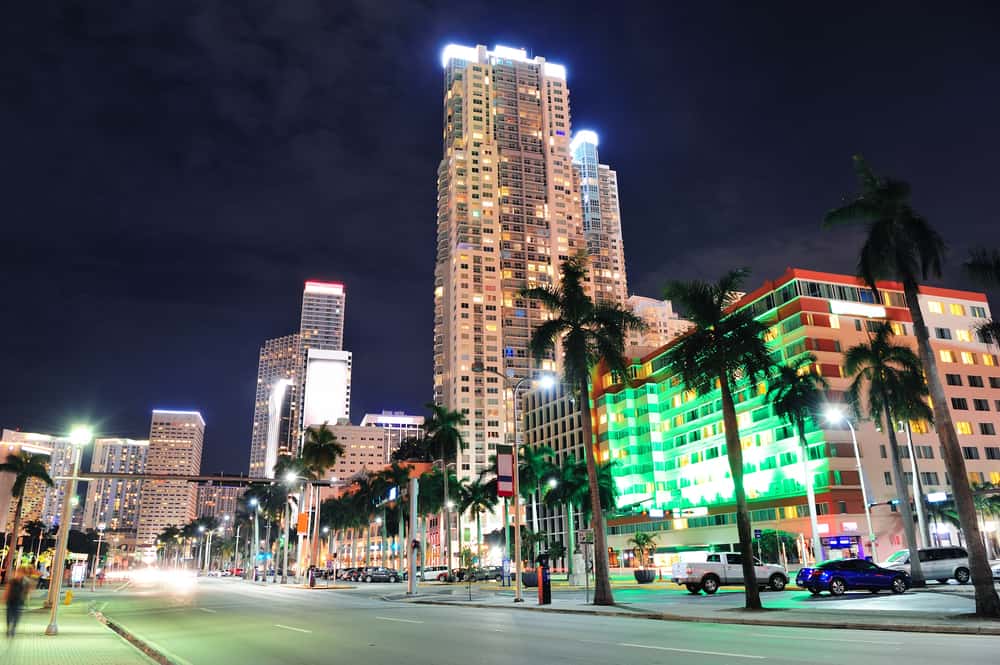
545, 381
97, 557
835, 415
256, 536
79, 437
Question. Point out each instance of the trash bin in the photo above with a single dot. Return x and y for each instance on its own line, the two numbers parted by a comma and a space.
544, 580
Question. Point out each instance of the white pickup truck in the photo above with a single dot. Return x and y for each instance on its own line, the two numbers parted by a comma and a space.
721, 568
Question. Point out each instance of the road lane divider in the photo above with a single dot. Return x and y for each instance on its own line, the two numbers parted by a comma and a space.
400, 620
297, 630
679, 650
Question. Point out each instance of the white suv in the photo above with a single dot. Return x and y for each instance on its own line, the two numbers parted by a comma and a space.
937, 563
432, 573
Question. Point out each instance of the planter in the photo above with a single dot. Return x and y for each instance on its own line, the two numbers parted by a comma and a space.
529, 578
644, 575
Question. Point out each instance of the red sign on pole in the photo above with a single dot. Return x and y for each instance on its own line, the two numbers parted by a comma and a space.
505, 471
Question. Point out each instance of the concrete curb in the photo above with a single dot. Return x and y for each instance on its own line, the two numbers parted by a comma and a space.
755, 621
146, 649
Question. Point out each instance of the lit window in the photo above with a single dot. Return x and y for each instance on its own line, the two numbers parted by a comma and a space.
963, 427
834, 321
968, 358
956, 309
962, 336
935, 307
947, 356
989, 359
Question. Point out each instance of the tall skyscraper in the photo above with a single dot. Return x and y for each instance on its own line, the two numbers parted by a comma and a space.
13, 442
218, 501
663, 325
115, 501
506, 219
322, 322
327, 391
277, 406
602, 226
175, 443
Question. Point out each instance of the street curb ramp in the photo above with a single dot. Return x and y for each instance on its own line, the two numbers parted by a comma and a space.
133, 640
747, 621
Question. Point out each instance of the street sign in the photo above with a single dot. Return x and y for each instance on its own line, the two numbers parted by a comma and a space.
757, 533
505, 471
585, 536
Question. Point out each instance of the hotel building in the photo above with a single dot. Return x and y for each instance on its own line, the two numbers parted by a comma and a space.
668, 444
175, 444
395, 426
114, 502
218, 501
663, 325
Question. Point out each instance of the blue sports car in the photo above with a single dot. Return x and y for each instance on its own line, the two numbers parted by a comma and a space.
844, 575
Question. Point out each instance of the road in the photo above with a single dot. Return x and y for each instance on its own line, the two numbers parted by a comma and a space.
229, 622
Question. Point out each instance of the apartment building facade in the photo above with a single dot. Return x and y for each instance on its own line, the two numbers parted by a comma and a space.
114, 502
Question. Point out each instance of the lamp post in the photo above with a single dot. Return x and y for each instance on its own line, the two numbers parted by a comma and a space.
97, 557
256, 537
479, 368
79, 437
836, 415
290, 479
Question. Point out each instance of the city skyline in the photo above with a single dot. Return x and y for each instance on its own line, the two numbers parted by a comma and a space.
695, 174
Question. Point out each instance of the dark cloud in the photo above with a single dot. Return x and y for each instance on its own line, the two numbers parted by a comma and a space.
173, 171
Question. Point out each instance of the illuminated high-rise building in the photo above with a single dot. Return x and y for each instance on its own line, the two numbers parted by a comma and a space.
115, 501
663, 325
602, 227
37, 495
322, 320
506, 218
277, 405
175, 443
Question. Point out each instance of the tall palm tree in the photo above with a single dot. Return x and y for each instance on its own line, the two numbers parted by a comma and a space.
363, 499
319, 453
588, 333
902, 245
725, 347
397, 475
535, 468
477, 499
430, 501
883, 373
571, 490
444, 441
984, 266
796, 393
25, 467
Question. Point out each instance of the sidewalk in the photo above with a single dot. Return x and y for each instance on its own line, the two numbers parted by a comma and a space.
705, 612
82, 639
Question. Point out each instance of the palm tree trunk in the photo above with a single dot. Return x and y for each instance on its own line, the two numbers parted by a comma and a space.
458, 520
400, 540
444, 527
602, 575
987, 600
810, 492
916, 572
570, 537
15, 532
368, 543
734, 452
479, 537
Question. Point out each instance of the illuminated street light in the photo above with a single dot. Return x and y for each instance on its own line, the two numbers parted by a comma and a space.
835, 415
79, 436
553, 483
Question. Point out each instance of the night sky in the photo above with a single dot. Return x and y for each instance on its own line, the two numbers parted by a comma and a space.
172, 171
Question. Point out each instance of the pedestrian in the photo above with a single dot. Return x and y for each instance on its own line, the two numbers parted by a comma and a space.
15, 597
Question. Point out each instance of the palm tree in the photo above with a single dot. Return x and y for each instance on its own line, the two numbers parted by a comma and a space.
477, 498
884, 373
570, 491
430, 500
796, 393
644, 544
25, 467
902, 245
319, 453
535, 467
725, 347
444, 441
397, 475
411, 449
588, 334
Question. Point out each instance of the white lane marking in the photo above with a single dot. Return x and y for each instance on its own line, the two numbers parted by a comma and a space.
707, 653
401, 620
205, 609
826, 639
297, 630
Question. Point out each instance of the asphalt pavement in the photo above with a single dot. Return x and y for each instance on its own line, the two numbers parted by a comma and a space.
223, 622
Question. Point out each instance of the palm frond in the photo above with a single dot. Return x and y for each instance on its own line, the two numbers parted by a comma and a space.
983, 265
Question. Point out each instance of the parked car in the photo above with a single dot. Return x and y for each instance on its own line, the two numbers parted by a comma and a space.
722, 568
381, 575
844, 575
432, 573
483, 574
938, 563
345, 573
